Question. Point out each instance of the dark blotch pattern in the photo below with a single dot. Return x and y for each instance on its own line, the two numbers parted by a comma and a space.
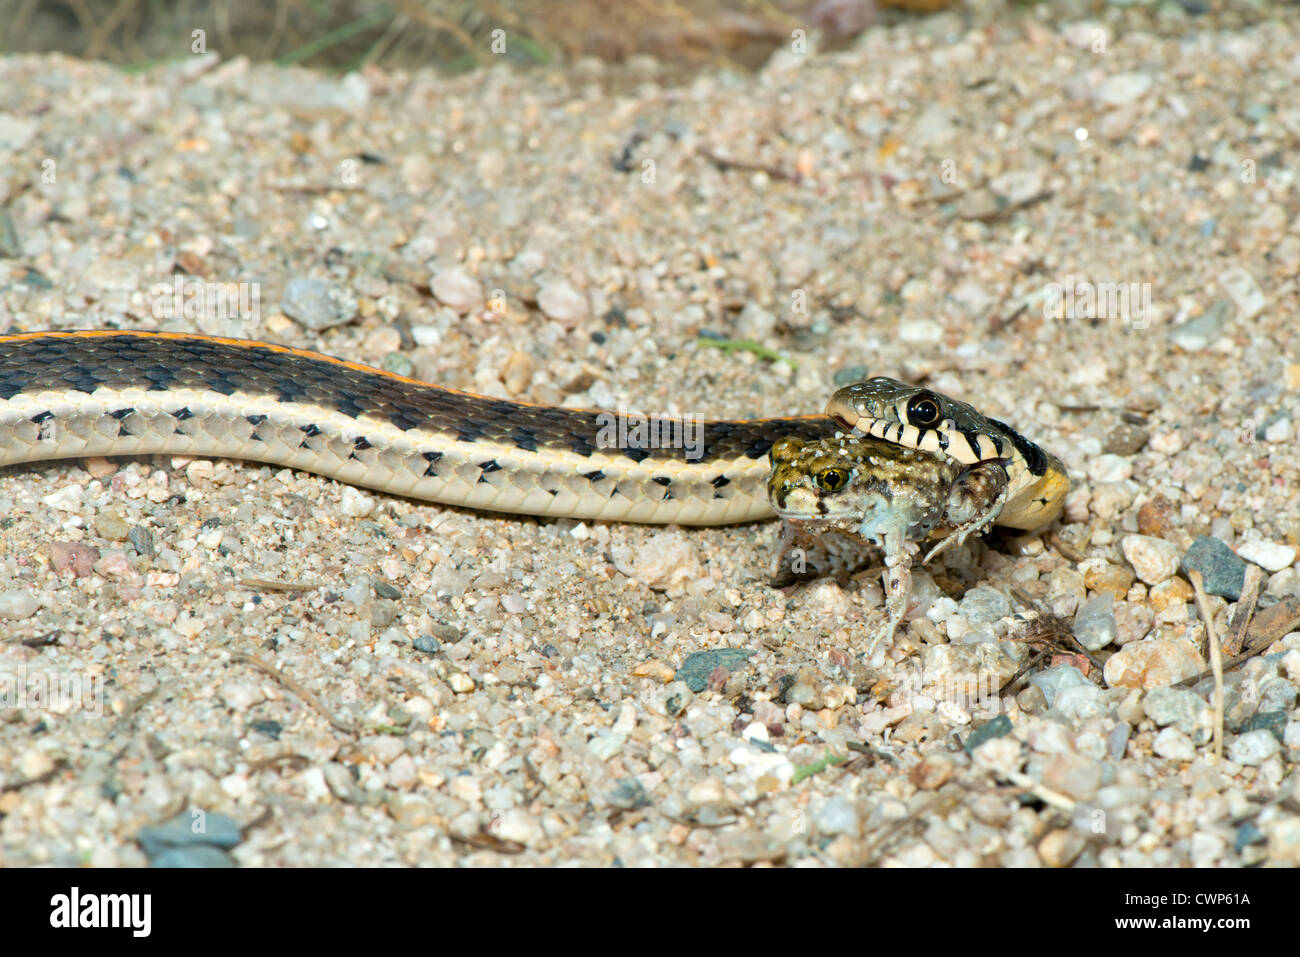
153, 362
1035, 458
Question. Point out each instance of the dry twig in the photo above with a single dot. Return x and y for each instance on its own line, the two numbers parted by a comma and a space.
1216, 660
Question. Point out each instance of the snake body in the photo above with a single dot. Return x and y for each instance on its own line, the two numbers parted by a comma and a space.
106, 393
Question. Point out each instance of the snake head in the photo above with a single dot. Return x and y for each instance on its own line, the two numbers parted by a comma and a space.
896, 404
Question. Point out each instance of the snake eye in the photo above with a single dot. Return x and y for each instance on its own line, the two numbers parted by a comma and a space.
832, 480
923, 409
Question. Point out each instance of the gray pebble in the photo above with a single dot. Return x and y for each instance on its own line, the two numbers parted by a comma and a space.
1198, 333
187, 829
428, 644
997, 728
1052, 681
398, 363
10, 246
200, 856
696, 668
983, 605
1094, 622
1274, 722
141, 540
849, 375
318, 304
1221, 568
1117, 740
627, 793
1126, 439
1179, 707
385, 590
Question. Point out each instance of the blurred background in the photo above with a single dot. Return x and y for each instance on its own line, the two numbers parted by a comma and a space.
455, 35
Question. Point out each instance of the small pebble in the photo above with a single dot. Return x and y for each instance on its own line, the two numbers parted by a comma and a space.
1153, 559
1253, 748
1122, 88
461, 683
1240, 285
1094, 622
1153, 663
1267, 555
457, 289
355, 503
561, 302
1223, 570
1053, 681
1174, 745
16, 605
318, 304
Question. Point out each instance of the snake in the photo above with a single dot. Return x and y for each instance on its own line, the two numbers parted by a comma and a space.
925, 420
93, 393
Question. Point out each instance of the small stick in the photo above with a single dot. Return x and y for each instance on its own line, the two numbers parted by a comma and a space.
1245, 611
268, 585
295, 687
1216, 660
1044, 794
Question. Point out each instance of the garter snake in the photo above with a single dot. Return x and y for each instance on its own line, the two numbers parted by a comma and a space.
104, 393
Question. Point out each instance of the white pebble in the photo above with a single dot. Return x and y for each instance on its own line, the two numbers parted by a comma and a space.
17, 605
561, 302
1000, 755
461, 683
1245, 292
1109, 468
1174, 745
667, 562
1153, 559
1279, 431
458, 289
66, 499
1166, 443
33, 764
1254, 748
516, 824
356, 503
919, 331
1122, 88
1268, 555
240, 695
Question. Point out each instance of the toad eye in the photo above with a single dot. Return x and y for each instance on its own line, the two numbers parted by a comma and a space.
923, 409
832, 480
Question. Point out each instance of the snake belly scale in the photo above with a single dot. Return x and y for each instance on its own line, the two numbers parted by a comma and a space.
105, 393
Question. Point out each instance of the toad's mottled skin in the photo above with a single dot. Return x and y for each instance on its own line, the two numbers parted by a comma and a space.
883, 493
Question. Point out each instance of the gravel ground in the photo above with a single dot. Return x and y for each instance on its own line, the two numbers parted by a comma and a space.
457, 688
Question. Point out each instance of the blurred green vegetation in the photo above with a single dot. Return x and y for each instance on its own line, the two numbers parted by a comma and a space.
457, 35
